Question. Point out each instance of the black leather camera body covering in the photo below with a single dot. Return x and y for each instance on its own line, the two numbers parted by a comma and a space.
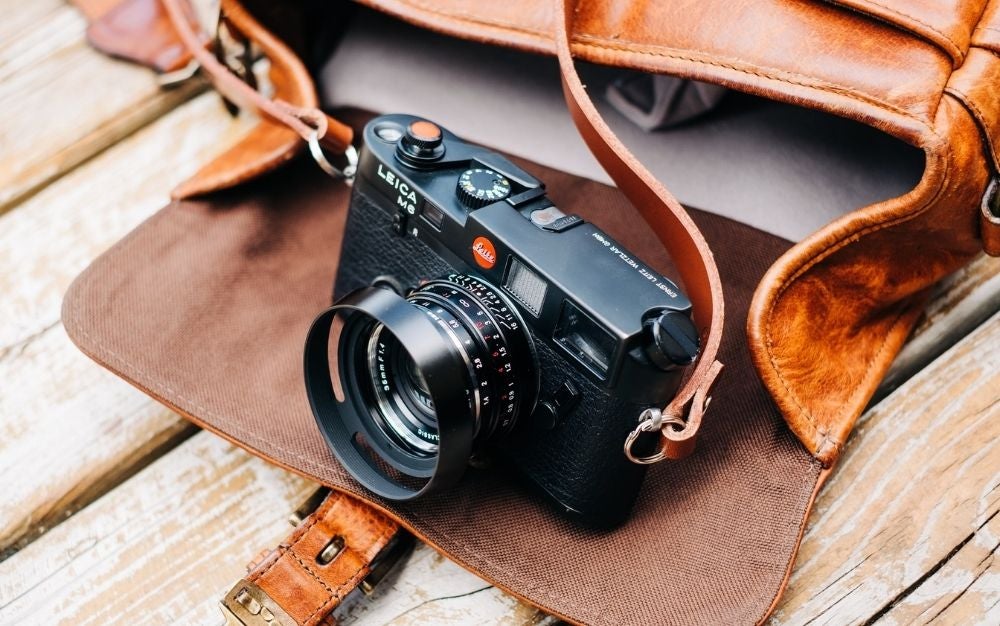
411, 222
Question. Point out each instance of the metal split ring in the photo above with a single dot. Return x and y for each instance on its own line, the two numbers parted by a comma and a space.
350, 153
650, 420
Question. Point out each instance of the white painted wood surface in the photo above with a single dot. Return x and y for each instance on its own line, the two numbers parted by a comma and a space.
164, 546
964, 590
61, 102
920, 479
71, 430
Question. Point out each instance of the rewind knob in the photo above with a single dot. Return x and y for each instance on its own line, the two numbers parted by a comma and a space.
480, 186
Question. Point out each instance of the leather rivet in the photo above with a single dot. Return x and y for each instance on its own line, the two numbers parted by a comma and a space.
331, 550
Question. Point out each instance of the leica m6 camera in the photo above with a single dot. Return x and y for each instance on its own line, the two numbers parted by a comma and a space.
474, 320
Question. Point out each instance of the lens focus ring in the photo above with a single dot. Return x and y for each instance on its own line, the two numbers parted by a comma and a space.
497, 345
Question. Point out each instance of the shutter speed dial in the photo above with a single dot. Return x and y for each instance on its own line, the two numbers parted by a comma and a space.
480, 186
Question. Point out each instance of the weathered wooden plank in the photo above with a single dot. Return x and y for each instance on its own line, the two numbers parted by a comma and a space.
918, 479
19, 17
965, 590
963, 301
70, 430
165, 545
60, 101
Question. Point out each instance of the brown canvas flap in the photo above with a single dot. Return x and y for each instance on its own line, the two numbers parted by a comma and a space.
206, 305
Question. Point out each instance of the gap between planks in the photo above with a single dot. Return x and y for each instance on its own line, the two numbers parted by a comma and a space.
70, 430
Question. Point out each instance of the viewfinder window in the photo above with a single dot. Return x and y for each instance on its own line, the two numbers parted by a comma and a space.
585, 339
433, 214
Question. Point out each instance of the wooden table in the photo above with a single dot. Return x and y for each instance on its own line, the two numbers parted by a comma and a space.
108, 499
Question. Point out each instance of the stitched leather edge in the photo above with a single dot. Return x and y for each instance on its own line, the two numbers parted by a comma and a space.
462, 24
779, 274
942, 39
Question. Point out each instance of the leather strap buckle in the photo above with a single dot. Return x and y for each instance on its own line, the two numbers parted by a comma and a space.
246, 604
992, 198
339, 544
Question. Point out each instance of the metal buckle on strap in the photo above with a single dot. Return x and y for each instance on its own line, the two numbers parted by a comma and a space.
169, 80
246, 604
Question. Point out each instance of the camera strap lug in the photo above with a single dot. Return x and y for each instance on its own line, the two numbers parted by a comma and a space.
339, 544
650, 421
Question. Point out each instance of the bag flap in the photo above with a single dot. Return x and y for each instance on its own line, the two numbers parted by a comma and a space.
206, 306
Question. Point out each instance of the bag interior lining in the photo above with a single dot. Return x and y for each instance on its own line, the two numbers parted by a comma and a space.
782, 169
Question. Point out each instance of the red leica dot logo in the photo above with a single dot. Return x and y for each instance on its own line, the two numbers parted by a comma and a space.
484, 253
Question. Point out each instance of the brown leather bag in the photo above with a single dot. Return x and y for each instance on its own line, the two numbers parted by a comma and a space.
714, 535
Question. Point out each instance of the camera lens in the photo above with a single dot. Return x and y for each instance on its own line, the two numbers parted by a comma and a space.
418, 386
427, 380
403, 407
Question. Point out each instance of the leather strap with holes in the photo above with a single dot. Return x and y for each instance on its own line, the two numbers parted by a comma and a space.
164, 35
306, 577
678, 233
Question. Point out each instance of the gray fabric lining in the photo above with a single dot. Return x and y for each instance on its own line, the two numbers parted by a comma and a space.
780, 168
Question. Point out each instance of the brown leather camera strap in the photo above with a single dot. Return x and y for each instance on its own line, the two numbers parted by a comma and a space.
342, 545
681, 419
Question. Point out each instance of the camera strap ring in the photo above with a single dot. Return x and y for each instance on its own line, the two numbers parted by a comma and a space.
650, 421
350, 153
305, 118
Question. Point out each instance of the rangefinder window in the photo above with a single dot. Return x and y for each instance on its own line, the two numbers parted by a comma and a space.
584, 339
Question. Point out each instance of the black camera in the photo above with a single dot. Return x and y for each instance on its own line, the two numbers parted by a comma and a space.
473, 319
